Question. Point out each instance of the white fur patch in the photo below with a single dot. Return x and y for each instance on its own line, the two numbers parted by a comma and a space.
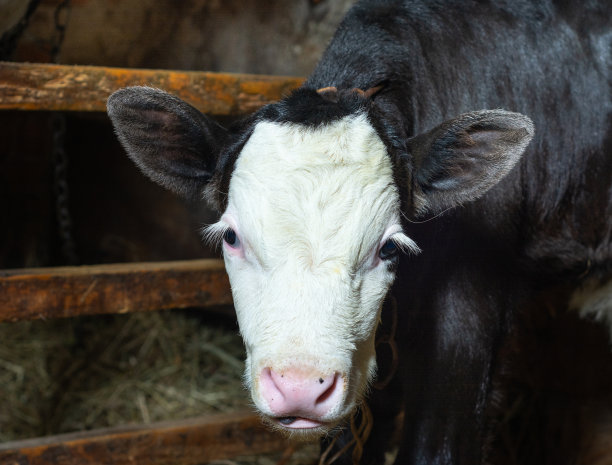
311, 207
594, 300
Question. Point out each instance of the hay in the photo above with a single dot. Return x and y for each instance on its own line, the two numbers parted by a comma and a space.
91, 372
84, 373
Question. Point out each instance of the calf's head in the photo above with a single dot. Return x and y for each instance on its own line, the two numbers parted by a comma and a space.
309, 195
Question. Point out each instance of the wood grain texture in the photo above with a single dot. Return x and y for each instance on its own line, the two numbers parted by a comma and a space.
26, 86
183, 442
121, 288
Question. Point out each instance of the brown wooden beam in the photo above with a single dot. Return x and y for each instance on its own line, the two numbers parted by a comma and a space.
184, 442
26, 86
121, 288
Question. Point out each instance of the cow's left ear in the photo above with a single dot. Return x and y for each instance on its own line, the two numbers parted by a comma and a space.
462, 158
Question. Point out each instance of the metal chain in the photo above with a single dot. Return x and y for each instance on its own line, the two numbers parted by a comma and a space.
60, 157
8, 41
60, 187
60, 17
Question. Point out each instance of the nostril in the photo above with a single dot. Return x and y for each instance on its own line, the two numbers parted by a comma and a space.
329, 391
270, 388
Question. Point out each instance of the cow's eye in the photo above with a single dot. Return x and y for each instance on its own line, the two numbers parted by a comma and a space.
231, 238
388, 250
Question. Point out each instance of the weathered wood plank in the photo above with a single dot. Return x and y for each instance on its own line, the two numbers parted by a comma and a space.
120, 288
184, 442
26, 86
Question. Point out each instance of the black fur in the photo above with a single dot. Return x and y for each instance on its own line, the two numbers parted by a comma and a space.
549, 221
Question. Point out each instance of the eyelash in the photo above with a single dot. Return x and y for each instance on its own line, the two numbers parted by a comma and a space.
218, 233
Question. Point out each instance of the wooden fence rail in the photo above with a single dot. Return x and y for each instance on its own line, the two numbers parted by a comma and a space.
184, 442
121, 288
25, 86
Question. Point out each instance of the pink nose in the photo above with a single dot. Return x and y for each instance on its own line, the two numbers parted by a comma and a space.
298, 394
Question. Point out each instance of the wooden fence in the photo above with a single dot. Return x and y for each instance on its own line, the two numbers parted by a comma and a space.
85, 290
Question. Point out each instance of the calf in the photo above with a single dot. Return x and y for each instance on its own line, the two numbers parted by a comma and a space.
394, 160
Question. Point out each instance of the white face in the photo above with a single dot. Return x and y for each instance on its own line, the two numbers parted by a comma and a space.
311, 209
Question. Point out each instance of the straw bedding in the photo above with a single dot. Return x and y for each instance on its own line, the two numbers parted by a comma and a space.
91, 372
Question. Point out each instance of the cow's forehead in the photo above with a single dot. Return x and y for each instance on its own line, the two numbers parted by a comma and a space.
348, 140
314, 185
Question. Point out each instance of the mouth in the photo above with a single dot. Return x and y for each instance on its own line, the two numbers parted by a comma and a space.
298, 423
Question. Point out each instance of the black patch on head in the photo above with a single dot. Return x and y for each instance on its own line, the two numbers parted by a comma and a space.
307, 107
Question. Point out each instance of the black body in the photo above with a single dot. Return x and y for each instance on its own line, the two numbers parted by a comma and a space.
548, 222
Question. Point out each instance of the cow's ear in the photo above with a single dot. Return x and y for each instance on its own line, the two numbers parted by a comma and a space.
171, 142
461, 159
